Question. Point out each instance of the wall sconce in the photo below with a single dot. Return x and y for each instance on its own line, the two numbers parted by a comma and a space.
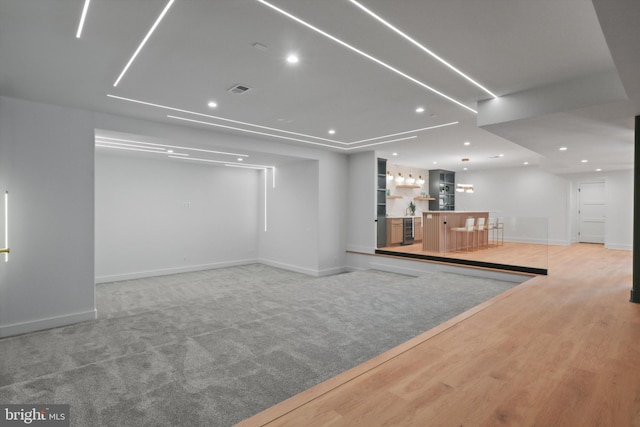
466, 188
420, 181
410, 180
399, 178
389, 176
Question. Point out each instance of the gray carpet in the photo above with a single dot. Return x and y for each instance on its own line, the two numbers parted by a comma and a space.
212, 348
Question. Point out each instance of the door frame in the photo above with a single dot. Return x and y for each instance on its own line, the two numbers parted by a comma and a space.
603, 180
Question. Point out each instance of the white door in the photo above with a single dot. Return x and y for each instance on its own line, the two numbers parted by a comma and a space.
591, 212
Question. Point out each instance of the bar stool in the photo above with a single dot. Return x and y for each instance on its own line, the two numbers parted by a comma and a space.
490, 226
498, 230
481, 229
468, 229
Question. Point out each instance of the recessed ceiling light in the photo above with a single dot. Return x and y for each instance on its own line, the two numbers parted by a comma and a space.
467, 143
332, 131
212, 104
166, 107
293, 59
598, 170
562, 148
500, 155
240, 159
286, 137
584, 161
525, 163
465, 168
395, 154
420, 110
435, 163
366, 55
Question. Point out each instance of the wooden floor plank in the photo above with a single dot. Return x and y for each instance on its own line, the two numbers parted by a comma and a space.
557, 350
510, 253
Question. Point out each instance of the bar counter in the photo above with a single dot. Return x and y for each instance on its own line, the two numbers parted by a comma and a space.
436, 234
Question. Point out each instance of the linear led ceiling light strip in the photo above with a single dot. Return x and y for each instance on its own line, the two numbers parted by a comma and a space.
144, 150
119, 141
294, 139
422, 47
6, 227
408, 131
180, 110
248, 130
232, 164
144, 41
224, 162
166, 107
366, 55
257, 167
266, 177
220, 118
122, 144
83, 16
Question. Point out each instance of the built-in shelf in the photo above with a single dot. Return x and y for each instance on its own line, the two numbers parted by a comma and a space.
407, 186
394, 197
424, 198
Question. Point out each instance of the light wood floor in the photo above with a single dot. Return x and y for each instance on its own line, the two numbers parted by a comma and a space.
557, 350
510, 253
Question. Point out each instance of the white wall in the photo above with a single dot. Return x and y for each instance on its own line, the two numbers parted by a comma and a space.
292, 235
619, 206
161, 216
46, 163
313, 193
619, 213
361, 206
529, 194
332, 220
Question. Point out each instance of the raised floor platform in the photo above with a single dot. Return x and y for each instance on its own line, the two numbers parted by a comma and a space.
526, 258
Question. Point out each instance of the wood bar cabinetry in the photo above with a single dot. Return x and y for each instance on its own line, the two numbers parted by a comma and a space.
417, 229
394, 231
436, 233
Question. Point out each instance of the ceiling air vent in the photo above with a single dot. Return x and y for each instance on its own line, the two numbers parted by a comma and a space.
238, 89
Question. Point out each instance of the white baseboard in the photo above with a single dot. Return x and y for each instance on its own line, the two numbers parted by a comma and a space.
303, 270
619, 246
363, 249
173, 270
332, 271
290, 267
51, 322
537, 241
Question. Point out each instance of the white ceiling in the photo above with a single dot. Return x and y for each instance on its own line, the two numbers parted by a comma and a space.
201, 48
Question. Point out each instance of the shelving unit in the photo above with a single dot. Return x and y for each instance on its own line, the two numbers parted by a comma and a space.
381, 200
442, 183
407, 186
424, 198
394, 197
